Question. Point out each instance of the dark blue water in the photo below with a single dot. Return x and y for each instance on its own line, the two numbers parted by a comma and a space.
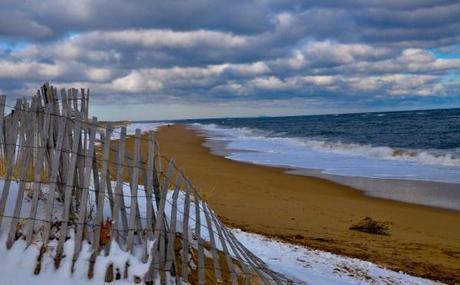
423, 130
411, 156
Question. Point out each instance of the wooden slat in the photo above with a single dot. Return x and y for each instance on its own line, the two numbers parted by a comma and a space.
149, 185
200, 250
185, 237
102, 189
36, 186
228, 258
243, 264
159, 229
28, 128
53, 180
68, 191
119, 200
215, 256
170, 252
257, 267
10, 158
134, 185
2, 114
84, 195
101, 198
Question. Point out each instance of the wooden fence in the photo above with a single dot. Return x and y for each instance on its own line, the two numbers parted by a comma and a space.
68, 177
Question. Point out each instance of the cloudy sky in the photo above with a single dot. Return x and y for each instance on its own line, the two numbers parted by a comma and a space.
207, 58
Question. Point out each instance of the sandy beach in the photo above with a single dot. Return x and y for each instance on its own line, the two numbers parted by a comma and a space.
423, 241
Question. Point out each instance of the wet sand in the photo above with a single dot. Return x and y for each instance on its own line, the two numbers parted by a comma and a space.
312, 211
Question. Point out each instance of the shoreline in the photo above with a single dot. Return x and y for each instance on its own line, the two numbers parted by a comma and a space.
413, 191
315, 212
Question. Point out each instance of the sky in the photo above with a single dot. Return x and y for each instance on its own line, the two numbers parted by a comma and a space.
147, 60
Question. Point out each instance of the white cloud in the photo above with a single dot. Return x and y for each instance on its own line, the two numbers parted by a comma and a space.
269, 83
29, 69
159, 38
328, 51
99, 74
136, 82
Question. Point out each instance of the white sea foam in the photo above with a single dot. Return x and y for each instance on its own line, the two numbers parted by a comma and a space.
336, 157
144, 126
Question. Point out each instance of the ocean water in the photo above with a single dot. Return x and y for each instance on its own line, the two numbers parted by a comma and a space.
413, 145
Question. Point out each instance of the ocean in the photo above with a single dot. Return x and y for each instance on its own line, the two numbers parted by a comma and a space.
404, 146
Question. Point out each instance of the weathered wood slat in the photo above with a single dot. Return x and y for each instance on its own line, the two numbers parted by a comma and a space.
102, 189
53, 180
185, 235
36, 185
200, 250
228, 258
2, 113
28, 128
10, 158
68, 192
119, 199
101, 198
170, 255
159, 231
243, 265
134, 186
149, 185
85, 189
215, 256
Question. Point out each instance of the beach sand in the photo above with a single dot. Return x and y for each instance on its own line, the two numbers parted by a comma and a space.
423, 241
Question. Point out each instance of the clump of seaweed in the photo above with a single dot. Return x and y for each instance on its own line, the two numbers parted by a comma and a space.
371, 226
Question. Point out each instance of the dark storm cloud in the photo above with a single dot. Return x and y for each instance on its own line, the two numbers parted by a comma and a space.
206, 51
